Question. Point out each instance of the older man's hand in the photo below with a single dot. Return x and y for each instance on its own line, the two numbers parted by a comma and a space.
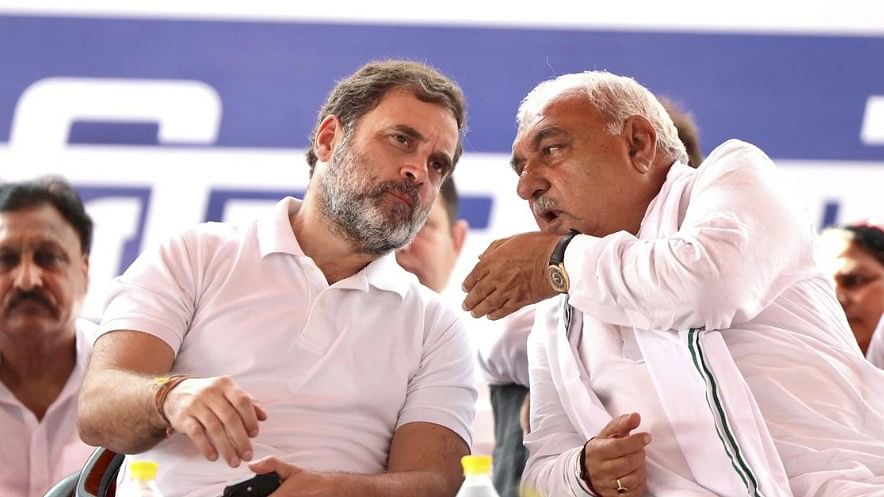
510, 274
615, 459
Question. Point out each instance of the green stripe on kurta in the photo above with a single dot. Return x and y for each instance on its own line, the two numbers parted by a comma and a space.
731, 448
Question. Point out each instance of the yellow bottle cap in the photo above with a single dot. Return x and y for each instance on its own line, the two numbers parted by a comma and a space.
476, 465
143, 470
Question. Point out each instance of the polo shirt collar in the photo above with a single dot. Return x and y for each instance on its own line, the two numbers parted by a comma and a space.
385, 273
275, 230
275, 235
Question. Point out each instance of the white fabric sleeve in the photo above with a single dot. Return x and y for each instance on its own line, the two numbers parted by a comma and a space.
740, 232
503, 349
554, 444
442, 390
157, 294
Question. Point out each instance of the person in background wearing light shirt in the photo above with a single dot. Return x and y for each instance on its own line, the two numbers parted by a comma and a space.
678, 358
854, 256
45, 236
297, 340
432, 254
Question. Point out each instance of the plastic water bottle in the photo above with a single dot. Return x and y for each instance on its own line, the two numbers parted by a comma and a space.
477, 477
140, 480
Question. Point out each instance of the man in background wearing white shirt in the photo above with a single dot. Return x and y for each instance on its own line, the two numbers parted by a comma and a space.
432, 254
697, 350
45, 236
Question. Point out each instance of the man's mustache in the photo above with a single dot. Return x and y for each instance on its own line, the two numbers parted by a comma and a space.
22, 297
407, 187
542, 204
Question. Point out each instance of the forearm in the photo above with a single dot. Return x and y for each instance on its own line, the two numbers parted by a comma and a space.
116, 411
667, 283
399, 484
741, 239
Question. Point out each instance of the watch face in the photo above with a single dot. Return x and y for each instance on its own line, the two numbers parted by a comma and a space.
558, 278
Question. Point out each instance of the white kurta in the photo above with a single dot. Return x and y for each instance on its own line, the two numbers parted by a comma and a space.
775, 396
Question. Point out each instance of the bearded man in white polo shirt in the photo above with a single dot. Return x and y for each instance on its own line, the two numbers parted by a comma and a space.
697, 350
305, 345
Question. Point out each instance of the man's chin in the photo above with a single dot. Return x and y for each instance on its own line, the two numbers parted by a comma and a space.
30, 311
32, 325
554, 228
379, 247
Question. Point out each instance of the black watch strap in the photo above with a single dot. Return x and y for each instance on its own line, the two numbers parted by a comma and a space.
558, 254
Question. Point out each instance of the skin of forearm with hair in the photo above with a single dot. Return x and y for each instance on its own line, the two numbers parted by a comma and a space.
405, 484
424, 460
116, 411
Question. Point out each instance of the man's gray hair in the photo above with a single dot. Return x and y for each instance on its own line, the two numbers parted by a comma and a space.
617, 98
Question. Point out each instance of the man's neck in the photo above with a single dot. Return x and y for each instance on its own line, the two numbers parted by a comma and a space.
653, 185
331, 252
35, 369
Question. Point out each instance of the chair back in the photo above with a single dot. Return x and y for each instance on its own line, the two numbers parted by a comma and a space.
98, 478
65, 487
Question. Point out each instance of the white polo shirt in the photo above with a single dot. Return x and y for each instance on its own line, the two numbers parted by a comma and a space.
338, 368
34, 455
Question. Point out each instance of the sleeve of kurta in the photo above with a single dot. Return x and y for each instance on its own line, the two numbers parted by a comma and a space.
554, 444
730, 257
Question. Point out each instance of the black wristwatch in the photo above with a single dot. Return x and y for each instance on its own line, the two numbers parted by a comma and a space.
555, 272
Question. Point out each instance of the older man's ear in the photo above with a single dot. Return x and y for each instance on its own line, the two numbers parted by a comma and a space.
641, 139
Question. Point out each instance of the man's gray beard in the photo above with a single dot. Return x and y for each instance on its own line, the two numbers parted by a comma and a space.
351, 204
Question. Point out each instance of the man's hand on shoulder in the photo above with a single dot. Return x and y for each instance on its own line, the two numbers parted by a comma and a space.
510, 274
217, 415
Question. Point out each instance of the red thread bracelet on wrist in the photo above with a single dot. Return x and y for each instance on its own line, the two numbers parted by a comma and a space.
164, 385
